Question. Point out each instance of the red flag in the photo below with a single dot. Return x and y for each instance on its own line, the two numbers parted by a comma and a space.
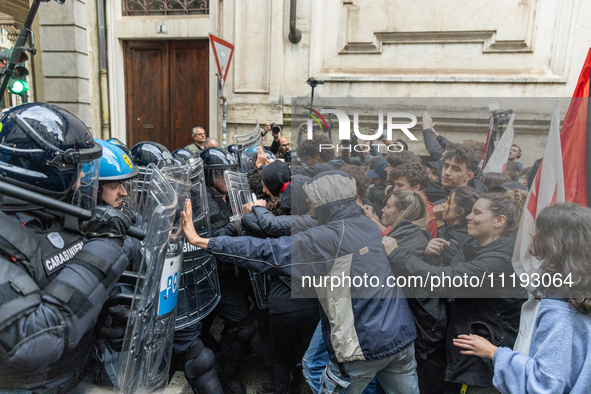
573, 138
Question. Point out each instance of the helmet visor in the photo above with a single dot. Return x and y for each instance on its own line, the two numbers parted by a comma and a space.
86, 186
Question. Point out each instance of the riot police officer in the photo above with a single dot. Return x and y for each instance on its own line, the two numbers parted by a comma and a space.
189, 353
53, 285
233, 307
115, 168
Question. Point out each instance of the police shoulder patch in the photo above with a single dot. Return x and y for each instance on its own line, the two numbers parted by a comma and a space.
57, 261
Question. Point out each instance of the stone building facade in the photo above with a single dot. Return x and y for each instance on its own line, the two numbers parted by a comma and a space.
360, 48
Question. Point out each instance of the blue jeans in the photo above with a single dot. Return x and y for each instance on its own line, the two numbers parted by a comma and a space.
396, 374
315, 361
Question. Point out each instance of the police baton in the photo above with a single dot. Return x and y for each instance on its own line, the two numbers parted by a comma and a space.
29, 196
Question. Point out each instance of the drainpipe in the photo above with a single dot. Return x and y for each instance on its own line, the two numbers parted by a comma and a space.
294, 34
103, 75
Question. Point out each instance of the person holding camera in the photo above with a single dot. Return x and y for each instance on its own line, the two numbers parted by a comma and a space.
278, 147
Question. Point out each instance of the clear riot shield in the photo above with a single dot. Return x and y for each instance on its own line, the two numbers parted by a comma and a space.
239, 194
247, 147
144, 361
199, 291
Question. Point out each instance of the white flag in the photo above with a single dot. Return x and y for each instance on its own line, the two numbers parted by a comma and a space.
498, 159
547, 189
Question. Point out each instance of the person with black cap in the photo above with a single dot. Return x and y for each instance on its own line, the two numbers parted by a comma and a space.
275, 178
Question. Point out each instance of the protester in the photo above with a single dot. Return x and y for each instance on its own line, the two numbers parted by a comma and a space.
364, 348
414, 177
292, 321
459, 168
362, 182
452, 229
377, 191
275, 178
492, 179
559, 360
512, 170
316, 159
435, 143
492, 224
435, 190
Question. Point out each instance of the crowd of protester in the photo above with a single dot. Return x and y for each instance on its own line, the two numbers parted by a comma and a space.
406, 215
302, 265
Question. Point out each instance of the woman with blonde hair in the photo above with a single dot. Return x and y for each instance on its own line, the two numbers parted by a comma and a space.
405, 218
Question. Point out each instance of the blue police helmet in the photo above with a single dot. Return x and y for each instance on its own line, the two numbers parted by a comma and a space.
115, 165
43, 148
119, 144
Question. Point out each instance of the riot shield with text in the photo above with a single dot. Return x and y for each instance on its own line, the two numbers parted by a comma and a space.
246, 145
239, 194
144, 361
146, 345
199, 290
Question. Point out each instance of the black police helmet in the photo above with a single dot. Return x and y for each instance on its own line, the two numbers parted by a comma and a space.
150, 152
218, 158
43, 148
184, 153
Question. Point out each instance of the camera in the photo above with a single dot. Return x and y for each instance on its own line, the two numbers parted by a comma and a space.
275, 129
502, 117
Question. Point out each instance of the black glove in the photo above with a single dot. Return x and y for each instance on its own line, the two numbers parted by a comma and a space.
106, 222
113, 329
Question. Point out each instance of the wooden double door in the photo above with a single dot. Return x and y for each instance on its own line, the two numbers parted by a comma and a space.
167, 91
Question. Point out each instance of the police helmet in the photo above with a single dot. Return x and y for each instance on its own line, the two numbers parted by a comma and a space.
120, 144
216, 157
215, 162
44, 148
270, 155
150, 152
115, 165
184, 153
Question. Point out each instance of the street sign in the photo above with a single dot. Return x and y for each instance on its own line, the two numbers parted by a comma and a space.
222, 50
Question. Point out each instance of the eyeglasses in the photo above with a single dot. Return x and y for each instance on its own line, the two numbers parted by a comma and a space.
200, 134
288, 144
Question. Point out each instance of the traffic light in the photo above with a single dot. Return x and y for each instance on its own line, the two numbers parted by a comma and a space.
18, 83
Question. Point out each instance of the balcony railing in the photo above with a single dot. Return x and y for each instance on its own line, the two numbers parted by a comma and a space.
164, 7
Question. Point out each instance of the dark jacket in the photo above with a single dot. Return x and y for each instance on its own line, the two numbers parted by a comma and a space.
497, 319
435, 145
52, 290
316, 169
456, 235
430, 314
345, 241
377, 198
436, 192
263, 224
219, 214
